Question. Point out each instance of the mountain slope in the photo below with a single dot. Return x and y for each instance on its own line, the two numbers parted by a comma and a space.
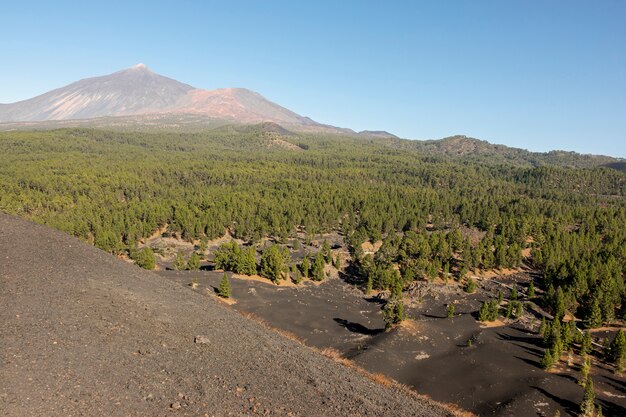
237, 104
136, 90
86, 334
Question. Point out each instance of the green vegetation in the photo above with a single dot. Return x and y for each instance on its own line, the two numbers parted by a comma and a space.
470, 286
193, 264
450, 311
180, 263
488, 311
145, 258
393, 311
275, 262
224, 288
438, 214
230, 257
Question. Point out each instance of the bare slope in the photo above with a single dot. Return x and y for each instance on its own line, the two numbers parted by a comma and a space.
136, 90
86, 334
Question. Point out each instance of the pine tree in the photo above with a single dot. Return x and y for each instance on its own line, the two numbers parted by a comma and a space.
599, 412
547, 360
587, 407
179, 263
585, 368
450, 311
246, 261
594, 314
224, 288
317, 272
194, 262
559, 305
470, 286
275, 262
618, 351
531, 289
326, 252
305, 265
586, 346
542, 327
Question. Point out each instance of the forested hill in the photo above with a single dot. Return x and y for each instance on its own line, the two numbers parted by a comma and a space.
467, 148
114, 188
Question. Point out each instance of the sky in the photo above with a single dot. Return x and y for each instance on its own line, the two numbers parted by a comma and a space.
538, 75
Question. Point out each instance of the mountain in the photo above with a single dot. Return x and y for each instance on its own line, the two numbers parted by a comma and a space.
136, 90
140, 91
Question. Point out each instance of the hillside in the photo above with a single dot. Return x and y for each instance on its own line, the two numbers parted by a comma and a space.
86, 334
463, 147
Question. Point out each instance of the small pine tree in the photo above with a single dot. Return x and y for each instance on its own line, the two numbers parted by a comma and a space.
194, 262
593, 318
470, 286
317, 272
224, 288
542, 327
179, 263
585, 368
509, 310
531, 289
586, 346
559, 304
514, 294
587, 407
547, 360
326, 252
393, 312
450, 312
305, 265
618, 351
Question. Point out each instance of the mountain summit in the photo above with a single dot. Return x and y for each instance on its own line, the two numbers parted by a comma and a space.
138, 91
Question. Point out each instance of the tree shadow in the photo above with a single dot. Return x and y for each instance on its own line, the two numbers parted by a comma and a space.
533, 351
350, 275
375, 299
530, 340
611, 409
571, 407
615, 384
357, 328
434, 316
567, 376
528, 361
207, 267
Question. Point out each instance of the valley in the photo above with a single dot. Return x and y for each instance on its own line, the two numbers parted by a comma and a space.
477, 366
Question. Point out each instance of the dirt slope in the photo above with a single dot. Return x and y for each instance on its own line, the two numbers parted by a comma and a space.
85, 334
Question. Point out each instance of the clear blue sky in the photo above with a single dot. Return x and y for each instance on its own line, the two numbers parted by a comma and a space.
539, 75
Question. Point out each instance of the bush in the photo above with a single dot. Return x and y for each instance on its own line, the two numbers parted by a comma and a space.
145, 259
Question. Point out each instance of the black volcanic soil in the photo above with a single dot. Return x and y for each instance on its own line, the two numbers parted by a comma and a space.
497, 375
86, 334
